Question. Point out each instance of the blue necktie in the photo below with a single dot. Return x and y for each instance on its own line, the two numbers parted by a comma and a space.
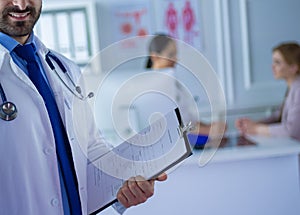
63, 148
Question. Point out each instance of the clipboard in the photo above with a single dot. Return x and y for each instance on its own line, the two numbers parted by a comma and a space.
149, 153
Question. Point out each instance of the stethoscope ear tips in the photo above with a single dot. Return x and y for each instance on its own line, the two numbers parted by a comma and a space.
8, 111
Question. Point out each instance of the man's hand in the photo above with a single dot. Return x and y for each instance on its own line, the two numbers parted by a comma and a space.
137, 190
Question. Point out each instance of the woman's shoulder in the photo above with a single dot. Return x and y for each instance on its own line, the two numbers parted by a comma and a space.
295, 85
295, 90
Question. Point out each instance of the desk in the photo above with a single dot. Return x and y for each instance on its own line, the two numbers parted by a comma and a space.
260, 180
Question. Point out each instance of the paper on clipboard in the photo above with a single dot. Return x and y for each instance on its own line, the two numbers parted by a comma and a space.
149, 153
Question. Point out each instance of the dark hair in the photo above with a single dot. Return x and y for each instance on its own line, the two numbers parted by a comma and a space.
157, 45
290, 52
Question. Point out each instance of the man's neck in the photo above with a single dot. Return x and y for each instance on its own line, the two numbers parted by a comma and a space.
22, 40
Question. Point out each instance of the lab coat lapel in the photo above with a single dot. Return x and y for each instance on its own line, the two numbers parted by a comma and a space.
6, 61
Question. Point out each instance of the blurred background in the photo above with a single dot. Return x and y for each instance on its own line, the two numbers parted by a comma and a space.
235, 36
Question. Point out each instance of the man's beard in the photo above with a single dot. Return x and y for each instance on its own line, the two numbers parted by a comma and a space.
18, 28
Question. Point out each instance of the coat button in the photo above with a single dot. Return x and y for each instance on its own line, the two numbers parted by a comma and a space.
54, 202
48, 151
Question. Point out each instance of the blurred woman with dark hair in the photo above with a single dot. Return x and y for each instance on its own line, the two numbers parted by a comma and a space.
163, 58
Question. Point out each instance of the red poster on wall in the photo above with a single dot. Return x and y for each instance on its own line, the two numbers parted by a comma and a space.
131, 20
181, 19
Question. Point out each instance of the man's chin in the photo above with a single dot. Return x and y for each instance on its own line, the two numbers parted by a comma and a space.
18, 31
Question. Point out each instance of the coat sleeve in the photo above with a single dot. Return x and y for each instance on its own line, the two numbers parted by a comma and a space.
89, 135
186, 103
273, 118
290, 125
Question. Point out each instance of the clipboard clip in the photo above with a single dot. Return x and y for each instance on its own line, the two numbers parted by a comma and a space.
185, 128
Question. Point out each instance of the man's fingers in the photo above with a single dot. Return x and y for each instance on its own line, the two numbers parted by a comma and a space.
137, 190
162, 177
145, 186
139, 187
122, 199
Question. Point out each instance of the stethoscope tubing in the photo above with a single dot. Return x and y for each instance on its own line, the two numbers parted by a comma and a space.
64, 70
3, 96
8, 110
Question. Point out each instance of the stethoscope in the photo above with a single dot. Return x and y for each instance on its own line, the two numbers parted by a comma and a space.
77, 92
8, 110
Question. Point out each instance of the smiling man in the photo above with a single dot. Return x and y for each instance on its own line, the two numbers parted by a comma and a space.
42, 165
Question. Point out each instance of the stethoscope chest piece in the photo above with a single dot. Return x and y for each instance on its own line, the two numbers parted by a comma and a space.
8, 111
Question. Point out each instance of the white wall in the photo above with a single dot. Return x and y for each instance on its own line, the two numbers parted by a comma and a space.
256, 27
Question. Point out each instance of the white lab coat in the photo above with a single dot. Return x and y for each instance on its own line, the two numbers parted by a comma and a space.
29, 177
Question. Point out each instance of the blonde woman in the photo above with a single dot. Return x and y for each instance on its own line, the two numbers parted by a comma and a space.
286, 121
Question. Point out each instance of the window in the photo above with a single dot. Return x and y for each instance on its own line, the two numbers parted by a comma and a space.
70, 29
